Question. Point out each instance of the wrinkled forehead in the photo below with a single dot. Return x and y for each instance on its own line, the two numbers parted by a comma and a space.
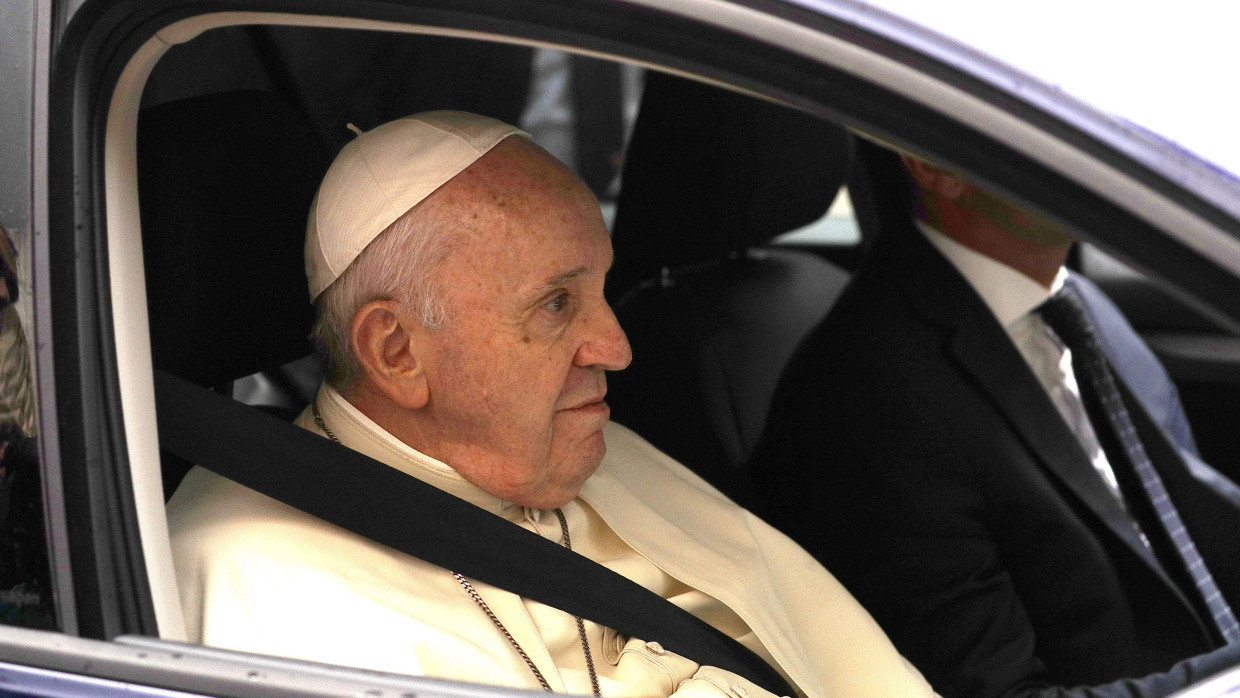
519, 212
517, 189
518, 170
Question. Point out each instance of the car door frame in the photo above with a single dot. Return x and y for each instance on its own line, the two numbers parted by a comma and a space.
871, 72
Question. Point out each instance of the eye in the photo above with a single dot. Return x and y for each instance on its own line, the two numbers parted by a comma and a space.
558, 304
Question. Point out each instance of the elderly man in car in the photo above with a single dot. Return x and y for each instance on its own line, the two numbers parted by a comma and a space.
458, 273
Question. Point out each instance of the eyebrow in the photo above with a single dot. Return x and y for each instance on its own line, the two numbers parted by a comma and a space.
553, 283
556, 281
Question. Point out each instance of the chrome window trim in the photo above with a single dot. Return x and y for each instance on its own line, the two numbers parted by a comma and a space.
55, 516
139, 663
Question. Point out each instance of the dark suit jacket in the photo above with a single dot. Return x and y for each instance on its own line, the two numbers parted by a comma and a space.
912, 450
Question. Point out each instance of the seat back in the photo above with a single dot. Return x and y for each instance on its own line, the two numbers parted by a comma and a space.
880, 190
712, 311
225, 183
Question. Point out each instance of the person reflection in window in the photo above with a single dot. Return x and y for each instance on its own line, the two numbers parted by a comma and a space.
25, 590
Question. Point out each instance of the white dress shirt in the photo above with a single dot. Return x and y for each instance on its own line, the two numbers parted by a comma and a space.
1012, 297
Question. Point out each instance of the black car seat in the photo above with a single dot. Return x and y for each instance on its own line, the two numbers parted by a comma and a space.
713, 312
880, 190
225, 183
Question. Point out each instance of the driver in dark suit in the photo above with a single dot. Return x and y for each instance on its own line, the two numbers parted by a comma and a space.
940, 447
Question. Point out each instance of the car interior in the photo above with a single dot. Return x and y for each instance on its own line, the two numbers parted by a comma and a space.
712, 302
722, 204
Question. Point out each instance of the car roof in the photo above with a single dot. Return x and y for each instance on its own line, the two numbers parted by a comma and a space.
1159, 70
1108, 84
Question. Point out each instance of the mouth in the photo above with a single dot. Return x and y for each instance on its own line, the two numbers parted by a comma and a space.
590, 406
588, 397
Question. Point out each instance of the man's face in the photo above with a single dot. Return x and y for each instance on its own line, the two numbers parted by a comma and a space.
1018, 221
516, 375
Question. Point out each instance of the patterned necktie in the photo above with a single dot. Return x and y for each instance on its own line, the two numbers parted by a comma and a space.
1066, 315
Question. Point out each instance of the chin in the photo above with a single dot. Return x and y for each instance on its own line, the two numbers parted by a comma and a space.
594, 450
552, 497
581, 468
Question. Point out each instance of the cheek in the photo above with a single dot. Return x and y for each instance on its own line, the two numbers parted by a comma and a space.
511, 387
464, 384
452, 372
514, 385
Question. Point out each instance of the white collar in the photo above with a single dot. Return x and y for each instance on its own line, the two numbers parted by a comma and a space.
1009, 294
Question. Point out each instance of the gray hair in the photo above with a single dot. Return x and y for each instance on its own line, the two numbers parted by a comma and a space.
401, 265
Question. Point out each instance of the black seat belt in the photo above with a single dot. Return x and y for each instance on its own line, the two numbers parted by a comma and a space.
362, 495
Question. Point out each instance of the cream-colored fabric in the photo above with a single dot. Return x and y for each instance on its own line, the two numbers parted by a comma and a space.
383, 173
259, 576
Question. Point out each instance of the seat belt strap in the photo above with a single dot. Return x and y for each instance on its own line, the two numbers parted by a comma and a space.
362, 495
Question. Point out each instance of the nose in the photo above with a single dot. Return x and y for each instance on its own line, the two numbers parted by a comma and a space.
605, 346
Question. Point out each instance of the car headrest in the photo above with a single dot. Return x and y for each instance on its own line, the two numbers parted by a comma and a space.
710, 172
881, 191
225, 183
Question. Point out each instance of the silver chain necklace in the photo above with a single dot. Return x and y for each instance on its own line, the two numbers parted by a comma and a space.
473, 593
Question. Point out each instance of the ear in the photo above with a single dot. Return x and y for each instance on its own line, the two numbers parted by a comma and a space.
932, 178
388, 352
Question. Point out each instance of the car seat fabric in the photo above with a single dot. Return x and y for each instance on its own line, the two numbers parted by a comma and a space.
225, 182
712, 312
880, 190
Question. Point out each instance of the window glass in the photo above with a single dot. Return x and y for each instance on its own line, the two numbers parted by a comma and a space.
582, 110
25, 590
838, 226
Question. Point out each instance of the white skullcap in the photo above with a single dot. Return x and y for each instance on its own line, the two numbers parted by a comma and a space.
382, 174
